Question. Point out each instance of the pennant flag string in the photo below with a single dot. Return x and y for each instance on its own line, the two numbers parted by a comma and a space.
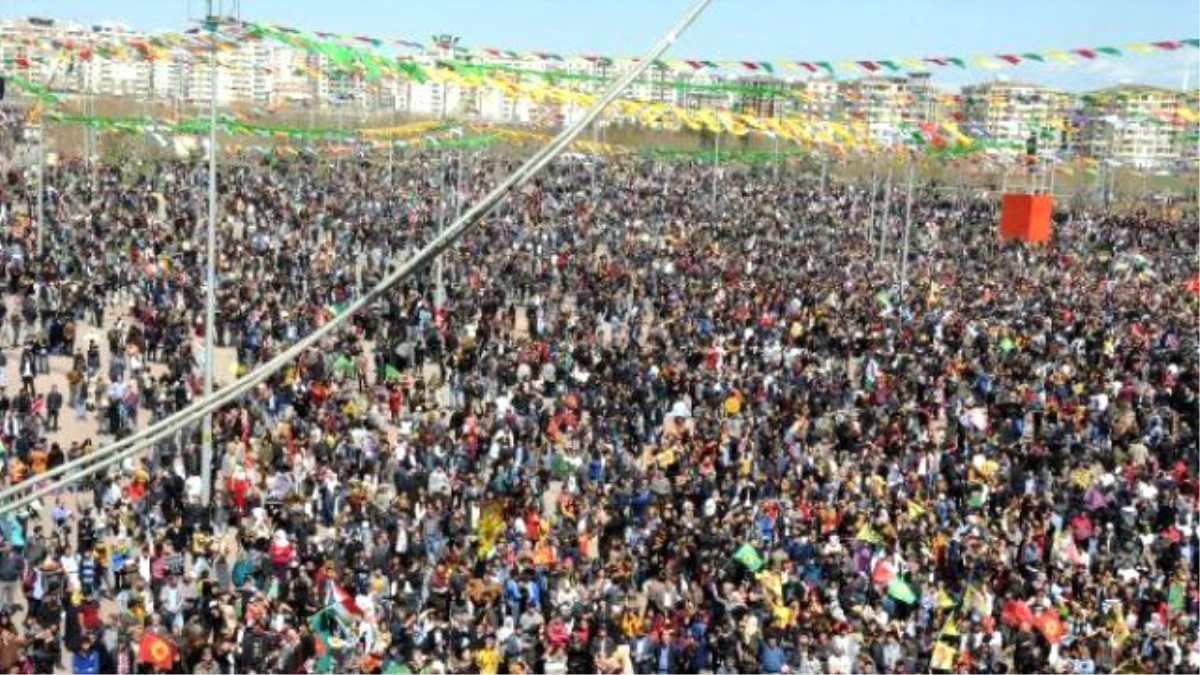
1008, 58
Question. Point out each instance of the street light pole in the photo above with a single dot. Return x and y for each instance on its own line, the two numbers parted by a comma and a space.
41, 182
776, 156
874, 200
210, 300
907, 226
887, 210
716, 171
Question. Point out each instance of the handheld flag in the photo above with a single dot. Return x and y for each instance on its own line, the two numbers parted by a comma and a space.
343, 603
749, 557
158, 652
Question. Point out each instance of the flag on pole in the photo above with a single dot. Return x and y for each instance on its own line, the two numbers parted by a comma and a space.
342, 602
158, 652
323, 642
749, 557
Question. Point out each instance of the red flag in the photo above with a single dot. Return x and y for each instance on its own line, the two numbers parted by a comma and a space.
1086, 53
1014, 613
869, 66
882, 574
1050, 625
343, 603
157, 651
1011, 58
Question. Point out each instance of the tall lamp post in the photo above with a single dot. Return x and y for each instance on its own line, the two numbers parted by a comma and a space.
210, 299
447, 44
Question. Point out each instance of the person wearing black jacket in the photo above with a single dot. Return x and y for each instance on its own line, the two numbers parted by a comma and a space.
12, 569
256, 646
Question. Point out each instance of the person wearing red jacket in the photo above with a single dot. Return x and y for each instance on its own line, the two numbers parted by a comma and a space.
281, 553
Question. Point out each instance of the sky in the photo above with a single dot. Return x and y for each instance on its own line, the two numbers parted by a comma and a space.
750, 30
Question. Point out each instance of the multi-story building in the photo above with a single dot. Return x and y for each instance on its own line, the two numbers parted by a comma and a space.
1131, 125
19, 47
816, 99
1189, 149
1011, 112
882, 104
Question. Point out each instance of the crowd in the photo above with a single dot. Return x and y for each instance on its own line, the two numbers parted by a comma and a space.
652, 421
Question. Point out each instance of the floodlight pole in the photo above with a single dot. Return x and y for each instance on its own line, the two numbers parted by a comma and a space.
210, 263
41, 182
887, 210
907, 226
874, 200
716, 171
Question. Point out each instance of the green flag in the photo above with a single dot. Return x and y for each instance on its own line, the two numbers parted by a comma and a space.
344, 364
1175, 597
901, 591
324, 651
749, 557
391, 374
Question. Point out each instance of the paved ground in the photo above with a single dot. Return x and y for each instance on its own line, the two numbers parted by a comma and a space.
72, 430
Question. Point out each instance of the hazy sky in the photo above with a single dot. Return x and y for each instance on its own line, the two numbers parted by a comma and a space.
798, 30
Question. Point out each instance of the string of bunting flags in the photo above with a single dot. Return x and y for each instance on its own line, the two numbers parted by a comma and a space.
994, 61
925, 140
933, 139
865, 66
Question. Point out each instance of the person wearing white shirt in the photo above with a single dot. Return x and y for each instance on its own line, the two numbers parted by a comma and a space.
70, 567
171, 601
839, 663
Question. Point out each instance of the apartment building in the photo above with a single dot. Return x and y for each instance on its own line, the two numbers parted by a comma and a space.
1010, 112
816, 99
1188, 145
1131, 124
877, 102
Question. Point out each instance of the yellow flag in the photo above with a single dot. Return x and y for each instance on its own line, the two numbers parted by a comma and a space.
986, 63
869, 535
1120, 631
943, 657
950, 628
944, 600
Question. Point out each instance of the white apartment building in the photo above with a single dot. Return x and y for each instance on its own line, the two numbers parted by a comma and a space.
879, 103
1009, 112
1124, 123
495, 106
1188, 146
244, 75
817, 99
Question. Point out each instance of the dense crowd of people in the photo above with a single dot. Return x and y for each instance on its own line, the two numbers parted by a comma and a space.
649, 422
